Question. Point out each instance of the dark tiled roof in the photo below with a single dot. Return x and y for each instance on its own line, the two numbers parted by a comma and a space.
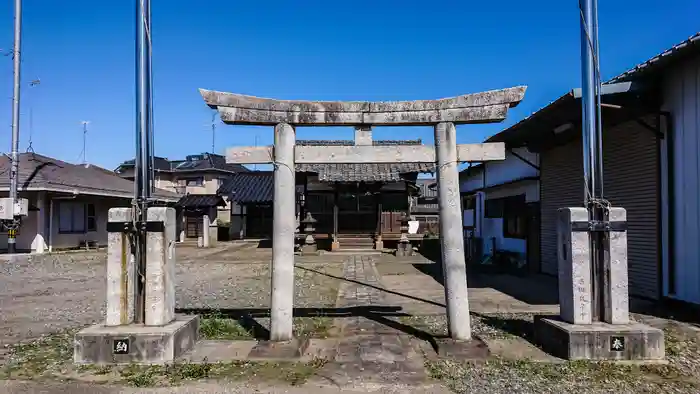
249, 187
365, 172
351, 142
201, 201
41, 172
201, 162
362, 172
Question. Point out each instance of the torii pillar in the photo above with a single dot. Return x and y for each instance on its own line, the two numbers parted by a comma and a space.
443, 114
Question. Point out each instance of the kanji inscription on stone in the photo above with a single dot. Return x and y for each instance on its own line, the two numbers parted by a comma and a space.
121, 346
617, 344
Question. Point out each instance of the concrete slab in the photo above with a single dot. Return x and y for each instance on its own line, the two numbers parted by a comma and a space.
278, 351
518, 349
220, 351
100, 344
599, 341
474, 349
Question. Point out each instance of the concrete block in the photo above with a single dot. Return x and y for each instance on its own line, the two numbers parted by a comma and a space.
146, 344
205, 231
575, 287
121, 272
213, 234
617, 310
309, 250
379, 245
160, 268
473, 349
404, 249
335, 245
599, 341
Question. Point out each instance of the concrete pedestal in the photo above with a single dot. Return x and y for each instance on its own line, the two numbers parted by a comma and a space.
101, 344
575, 335
404, 249
335, 245
599, 341
164, 336
205, 231
379, 244
213, 234
309, 250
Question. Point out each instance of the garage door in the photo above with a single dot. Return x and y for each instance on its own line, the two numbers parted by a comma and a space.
631, 181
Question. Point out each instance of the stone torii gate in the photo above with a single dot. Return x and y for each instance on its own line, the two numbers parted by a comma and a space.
443, 114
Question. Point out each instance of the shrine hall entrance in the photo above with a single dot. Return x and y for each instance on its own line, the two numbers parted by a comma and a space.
357, 213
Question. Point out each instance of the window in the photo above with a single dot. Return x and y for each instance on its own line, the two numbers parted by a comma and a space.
73, 217
91, 217
515, 217
493, 208
199, 181
469, 202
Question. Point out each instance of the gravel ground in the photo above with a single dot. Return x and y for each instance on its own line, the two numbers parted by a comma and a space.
44, 294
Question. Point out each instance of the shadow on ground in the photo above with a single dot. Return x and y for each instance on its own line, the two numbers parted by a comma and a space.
543, 290
246, 317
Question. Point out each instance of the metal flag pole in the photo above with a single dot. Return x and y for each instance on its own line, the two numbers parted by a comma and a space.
14, 156
143, 150
598, 208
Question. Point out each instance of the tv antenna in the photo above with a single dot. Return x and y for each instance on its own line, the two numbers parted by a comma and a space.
213, 132
85, 124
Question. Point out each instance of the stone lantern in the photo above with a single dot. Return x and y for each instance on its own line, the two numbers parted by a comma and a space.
404, 247
309, 246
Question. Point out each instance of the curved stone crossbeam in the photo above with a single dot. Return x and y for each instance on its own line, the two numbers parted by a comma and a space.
484, 107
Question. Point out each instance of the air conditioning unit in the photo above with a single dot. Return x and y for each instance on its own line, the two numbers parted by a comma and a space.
21, 208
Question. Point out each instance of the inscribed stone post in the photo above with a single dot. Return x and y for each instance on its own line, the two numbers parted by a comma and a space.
283, 226
575, 288
160, 268
452, 241
121, 272
617, 302
205, 231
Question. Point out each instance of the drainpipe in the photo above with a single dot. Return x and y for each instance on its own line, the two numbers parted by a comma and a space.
51, 210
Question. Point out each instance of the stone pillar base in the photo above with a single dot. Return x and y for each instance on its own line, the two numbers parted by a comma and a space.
335, 245
404, 249
599, 341
379, 245
213, 235
144, 344
309, 250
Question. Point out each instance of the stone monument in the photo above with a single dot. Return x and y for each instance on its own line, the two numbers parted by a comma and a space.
443, 115
595, 327
161, 336
594, 321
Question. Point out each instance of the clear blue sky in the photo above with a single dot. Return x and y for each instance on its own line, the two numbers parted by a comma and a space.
83, 52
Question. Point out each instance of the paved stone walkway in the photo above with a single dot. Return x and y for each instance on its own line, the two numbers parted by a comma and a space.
370, 351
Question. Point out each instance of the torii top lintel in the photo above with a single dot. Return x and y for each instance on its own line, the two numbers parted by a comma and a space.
484, 107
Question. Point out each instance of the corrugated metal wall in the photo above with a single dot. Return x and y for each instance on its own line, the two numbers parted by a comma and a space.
631, 164
631, 181
561, 185
682, 99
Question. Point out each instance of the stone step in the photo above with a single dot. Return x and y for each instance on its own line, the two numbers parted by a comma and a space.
355, 251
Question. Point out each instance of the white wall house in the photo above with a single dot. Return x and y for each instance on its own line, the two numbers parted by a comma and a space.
501, 202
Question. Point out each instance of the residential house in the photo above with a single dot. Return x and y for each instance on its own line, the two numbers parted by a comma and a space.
501, 206
651, 139
68, 203
197, 175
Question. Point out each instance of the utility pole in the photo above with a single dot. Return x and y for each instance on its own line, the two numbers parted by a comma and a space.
85, 130
144, 134
594, 201
12, 209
